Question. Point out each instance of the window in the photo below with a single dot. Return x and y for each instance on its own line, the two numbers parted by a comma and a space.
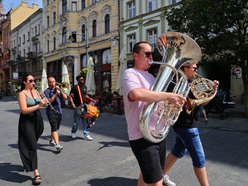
48, 45
28, 36
107, 24
24, 52
83, 33
54, 18
54, 43
64, 35
94, 28
35, 30
47, 2
64, 6
152, 5
83, 4
23, 38
173, 1
131, 9
47, 21
74, 37
73, 6
131, 41
94, 1
152, 37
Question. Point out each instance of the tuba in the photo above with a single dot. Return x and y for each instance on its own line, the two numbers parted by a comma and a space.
177, 49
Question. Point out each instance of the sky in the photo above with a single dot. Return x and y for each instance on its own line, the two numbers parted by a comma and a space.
8, 4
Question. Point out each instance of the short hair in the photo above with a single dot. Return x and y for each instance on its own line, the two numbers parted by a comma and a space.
137, 47
79, 76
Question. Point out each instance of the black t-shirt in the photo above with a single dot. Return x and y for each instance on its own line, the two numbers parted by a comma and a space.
76, 98
186, 120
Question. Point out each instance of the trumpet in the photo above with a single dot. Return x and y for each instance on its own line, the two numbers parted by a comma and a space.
64, 87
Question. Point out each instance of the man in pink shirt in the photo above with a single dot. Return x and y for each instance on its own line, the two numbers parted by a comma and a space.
137, 82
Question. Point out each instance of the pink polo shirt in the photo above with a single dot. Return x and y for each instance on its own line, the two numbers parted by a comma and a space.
134, 78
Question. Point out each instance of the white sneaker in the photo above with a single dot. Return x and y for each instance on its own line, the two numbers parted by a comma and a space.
88, 138
167, 181
59, 148
73, 135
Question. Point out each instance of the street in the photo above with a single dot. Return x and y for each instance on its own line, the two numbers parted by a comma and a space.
108, 160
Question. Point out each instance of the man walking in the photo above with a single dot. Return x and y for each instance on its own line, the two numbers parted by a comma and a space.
78, 95
54, 111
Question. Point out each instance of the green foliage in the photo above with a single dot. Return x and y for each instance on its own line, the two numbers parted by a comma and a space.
219, 27
84, 71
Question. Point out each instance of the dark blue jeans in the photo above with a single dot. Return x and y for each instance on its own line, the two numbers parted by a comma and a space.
188, 139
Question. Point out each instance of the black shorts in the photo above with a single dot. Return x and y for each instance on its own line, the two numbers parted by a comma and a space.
151, 158
54, 120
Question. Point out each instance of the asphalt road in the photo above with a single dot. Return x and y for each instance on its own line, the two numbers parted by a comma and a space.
108, 160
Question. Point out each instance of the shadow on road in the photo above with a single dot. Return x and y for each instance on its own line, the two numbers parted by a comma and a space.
10, 172
113, 144
113, 181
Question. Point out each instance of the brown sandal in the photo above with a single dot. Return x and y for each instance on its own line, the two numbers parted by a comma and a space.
37, 180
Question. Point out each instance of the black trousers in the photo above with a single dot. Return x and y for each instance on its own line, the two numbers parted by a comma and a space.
30, 128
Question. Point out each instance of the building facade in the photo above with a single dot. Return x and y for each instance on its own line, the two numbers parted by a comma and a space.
10, 21
74, 30
142, 21
26, 47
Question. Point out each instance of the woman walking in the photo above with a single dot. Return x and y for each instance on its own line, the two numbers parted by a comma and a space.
30, 125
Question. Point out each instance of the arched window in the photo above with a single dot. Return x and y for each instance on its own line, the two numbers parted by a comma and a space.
83, 32
94, 28
107, 24
54, 43
64, 33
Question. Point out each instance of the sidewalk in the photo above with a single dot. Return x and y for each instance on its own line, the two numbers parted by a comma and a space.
234, 120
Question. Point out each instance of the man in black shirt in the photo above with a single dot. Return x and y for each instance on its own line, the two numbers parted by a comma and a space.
78, 96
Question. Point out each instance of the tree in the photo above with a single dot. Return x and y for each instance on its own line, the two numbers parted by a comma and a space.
220, 27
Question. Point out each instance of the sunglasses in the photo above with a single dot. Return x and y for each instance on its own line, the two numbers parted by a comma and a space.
195, 68
148, 54
31, 81
81, 79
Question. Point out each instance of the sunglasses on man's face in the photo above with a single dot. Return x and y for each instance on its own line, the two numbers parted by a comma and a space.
195, 68
31, 81
81, 79
148, 54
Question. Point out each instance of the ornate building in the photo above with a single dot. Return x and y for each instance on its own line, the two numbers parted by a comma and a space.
77, 29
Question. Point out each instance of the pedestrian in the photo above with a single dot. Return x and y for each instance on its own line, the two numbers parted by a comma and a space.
187, 138
136, 83
30, 125
54, 110
78, 96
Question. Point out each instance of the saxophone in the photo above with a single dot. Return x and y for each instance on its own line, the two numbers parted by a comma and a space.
177, 49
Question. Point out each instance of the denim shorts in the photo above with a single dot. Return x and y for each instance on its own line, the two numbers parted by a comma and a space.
188, 139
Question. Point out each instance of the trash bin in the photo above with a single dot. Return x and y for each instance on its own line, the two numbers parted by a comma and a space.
1, 95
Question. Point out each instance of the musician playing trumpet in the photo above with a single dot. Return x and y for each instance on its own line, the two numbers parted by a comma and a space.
187, 136
54, 115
